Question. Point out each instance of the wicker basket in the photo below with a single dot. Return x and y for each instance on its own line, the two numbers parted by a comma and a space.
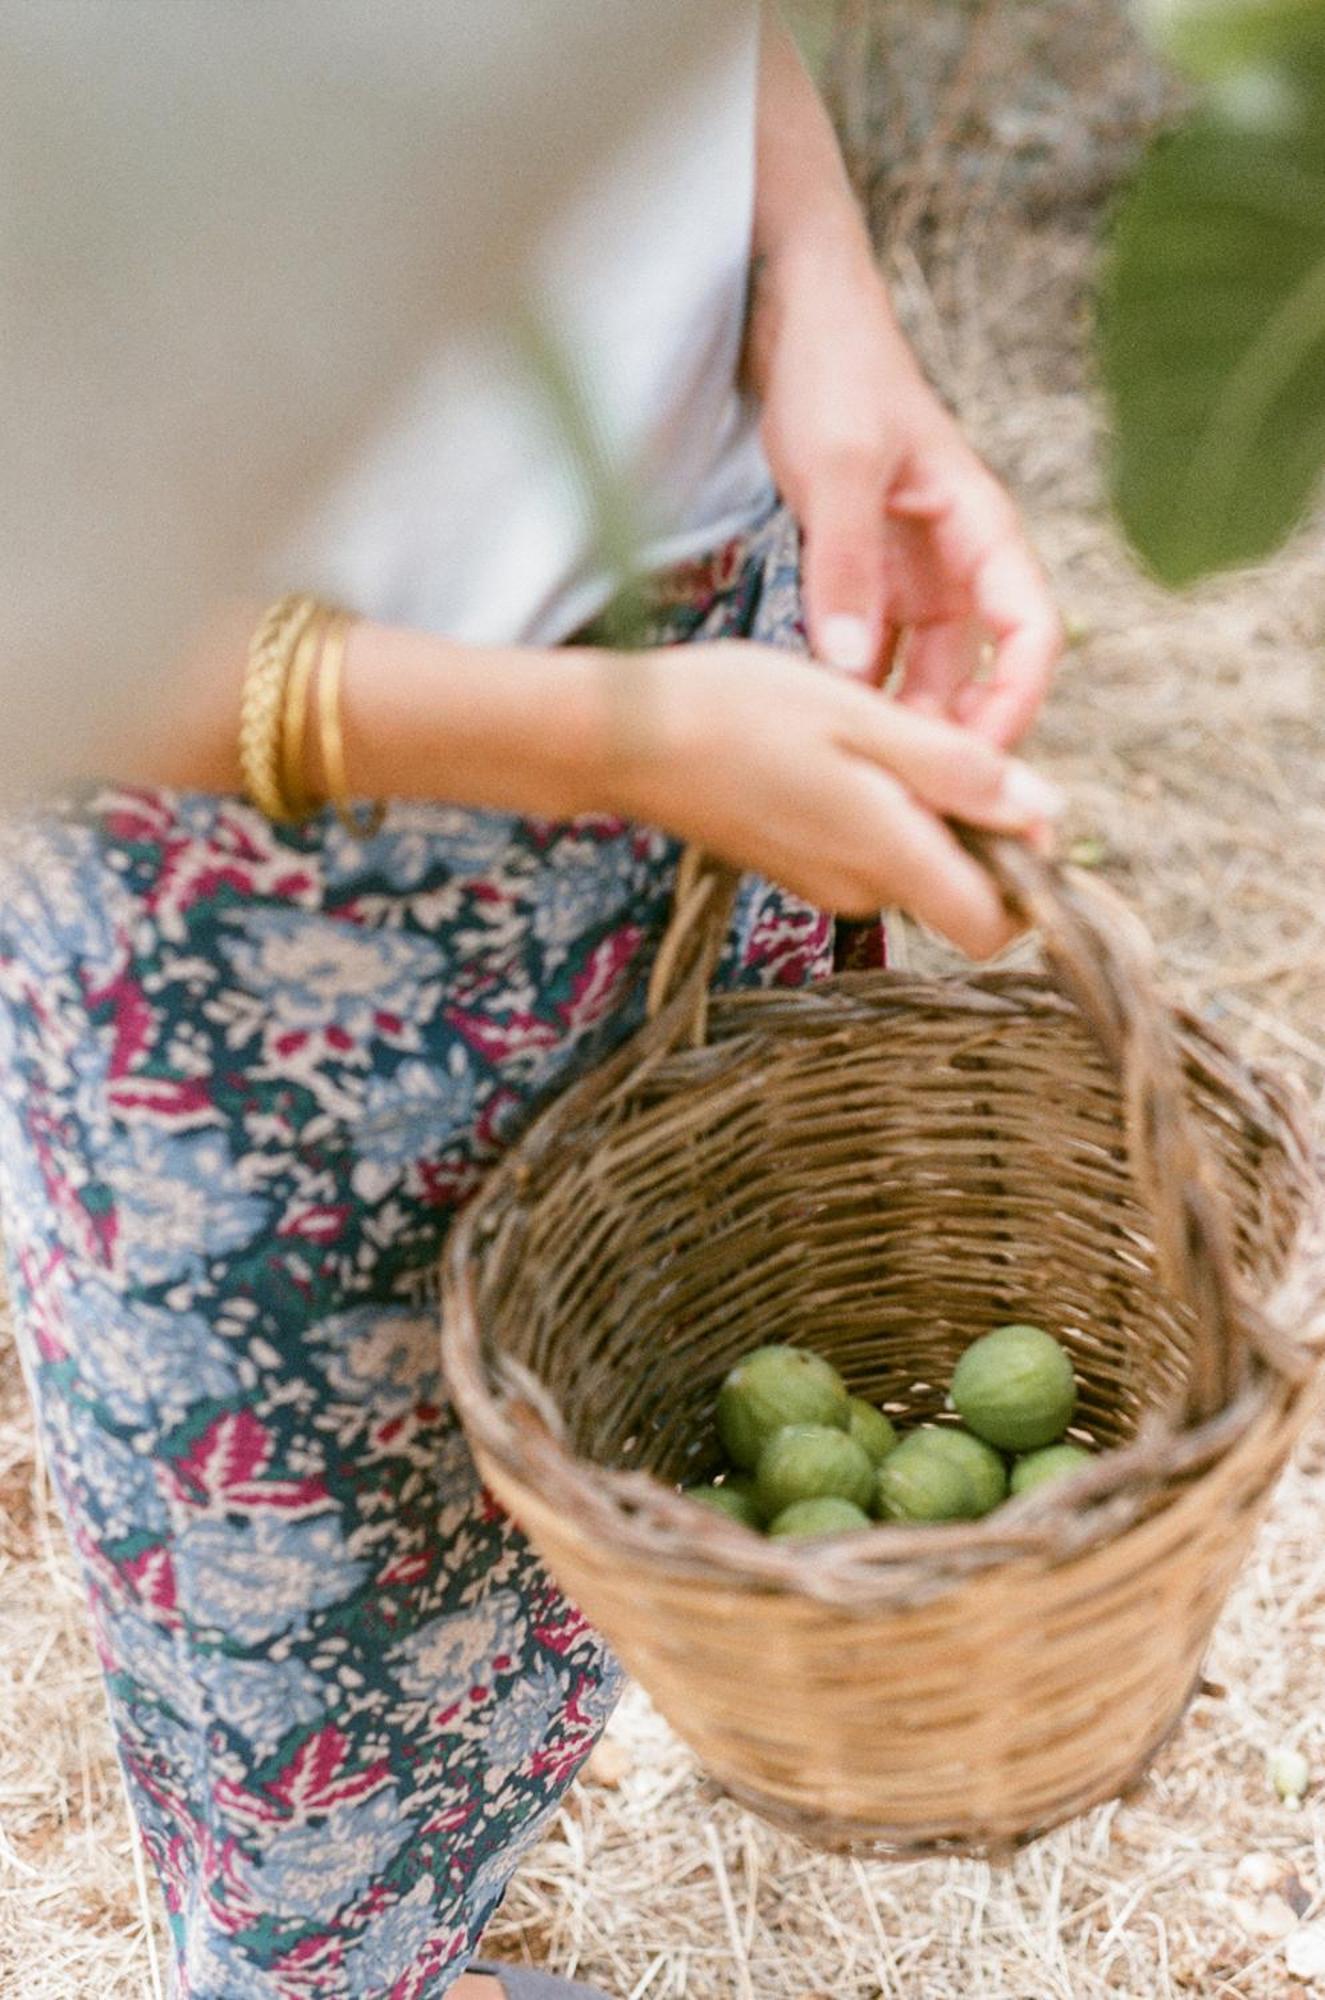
883, 1168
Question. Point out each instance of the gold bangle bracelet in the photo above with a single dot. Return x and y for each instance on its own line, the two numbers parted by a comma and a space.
331, 736
294, 725
262, 702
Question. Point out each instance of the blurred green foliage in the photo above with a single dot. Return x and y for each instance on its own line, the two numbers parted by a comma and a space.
814, 24
1212, 315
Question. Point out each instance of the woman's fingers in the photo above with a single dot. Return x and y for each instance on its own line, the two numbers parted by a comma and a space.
938, 663
954, 772
980, 546
843, 563
831, 788
905, 856
1012, 601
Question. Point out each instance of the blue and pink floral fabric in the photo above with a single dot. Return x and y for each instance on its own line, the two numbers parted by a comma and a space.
248, 1074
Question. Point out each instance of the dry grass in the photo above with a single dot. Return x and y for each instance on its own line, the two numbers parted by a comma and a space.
1192, 736
73, 1912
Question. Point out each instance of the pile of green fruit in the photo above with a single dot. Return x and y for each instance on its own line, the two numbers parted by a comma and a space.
806, 1457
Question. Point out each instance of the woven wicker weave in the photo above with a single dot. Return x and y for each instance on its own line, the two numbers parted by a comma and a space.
883, 1168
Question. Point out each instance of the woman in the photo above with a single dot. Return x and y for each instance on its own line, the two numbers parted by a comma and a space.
255, 1062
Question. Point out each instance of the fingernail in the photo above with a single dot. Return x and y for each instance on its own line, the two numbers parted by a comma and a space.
845, 643
1028, 795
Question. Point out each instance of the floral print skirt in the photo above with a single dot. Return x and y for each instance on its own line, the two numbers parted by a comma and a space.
248, 1074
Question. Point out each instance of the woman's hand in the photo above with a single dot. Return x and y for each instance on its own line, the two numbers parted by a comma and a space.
822, 784
906, 532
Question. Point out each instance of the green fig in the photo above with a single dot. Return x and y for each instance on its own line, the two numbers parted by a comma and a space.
774, 1387
870, 1428
729, 1500
1015, 1388
916, 1482
1040, 1468
982, 1464
812, 1462
825, 1516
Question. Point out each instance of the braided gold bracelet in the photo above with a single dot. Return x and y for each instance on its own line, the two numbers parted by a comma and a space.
262, 702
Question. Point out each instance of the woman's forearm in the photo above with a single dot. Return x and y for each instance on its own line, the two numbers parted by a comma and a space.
519, 729
802, 191
808, 226
903, 530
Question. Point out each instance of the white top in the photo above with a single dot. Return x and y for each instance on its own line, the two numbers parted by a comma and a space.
469, 517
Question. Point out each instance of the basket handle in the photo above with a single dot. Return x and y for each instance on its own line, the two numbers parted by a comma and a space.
683, 968
1103, 961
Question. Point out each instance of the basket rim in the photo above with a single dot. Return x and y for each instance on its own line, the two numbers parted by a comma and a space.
513, 1421
659, 1531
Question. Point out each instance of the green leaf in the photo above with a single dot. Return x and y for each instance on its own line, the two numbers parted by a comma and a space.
1212, 340
1210, 38
813, 24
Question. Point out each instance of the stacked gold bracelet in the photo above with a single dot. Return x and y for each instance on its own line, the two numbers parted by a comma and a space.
298, 645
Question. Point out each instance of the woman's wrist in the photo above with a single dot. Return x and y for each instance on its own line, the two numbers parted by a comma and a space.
808, 224
543, 731
826, 234
515, 729
813, 287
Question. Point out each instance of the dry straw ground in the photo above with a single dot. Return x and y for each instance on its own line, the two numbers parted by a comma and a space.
1192, 736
